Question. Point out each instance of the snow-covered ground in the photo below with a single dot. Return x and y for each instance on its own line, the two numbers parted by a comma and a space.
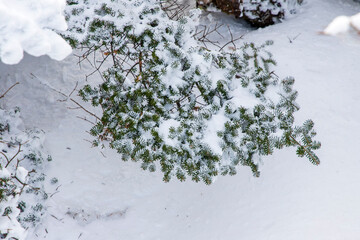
102, 197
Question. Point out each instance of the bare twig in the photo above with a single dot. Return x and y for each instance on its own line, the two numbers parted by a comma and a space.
7, 159
86, 140
305, 149
92, 114
232, 40
85, 119
291, 40
24, 184
3, 95
103, 154
60, 220
10, 160
54, 193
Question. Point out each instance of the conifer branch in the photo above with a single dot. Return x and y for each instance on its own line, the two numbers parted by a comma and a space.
203, 34
85, 119
312, 156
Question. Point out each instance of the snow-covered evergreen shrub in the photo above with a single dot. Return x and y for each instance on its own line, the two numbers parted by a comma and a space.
166, 99
260, 13
22, 194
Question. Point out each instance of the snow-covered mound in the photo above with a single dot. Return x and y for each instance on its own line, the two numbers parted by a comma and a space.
28, 26
22, 175
343, 24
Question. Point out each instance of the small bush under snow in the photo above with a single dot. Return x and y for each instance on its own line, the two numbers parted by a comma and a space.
259, 13
22, 194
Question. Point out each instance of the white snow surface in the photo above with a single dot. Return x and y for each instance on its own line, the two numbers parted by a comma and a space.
102, 197
27, 25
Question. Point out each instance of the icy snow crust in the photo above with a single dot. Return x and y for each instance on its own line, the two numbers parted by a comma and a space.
27, 25
104, 198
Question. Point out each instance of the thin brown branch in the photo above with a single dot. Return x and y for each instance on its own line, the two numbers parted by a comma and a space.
17, 153
204, 34
174, 9
85, 119
3, 95
7, 159
103, 154
73, 108
92, 114
76, 85
232, 40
